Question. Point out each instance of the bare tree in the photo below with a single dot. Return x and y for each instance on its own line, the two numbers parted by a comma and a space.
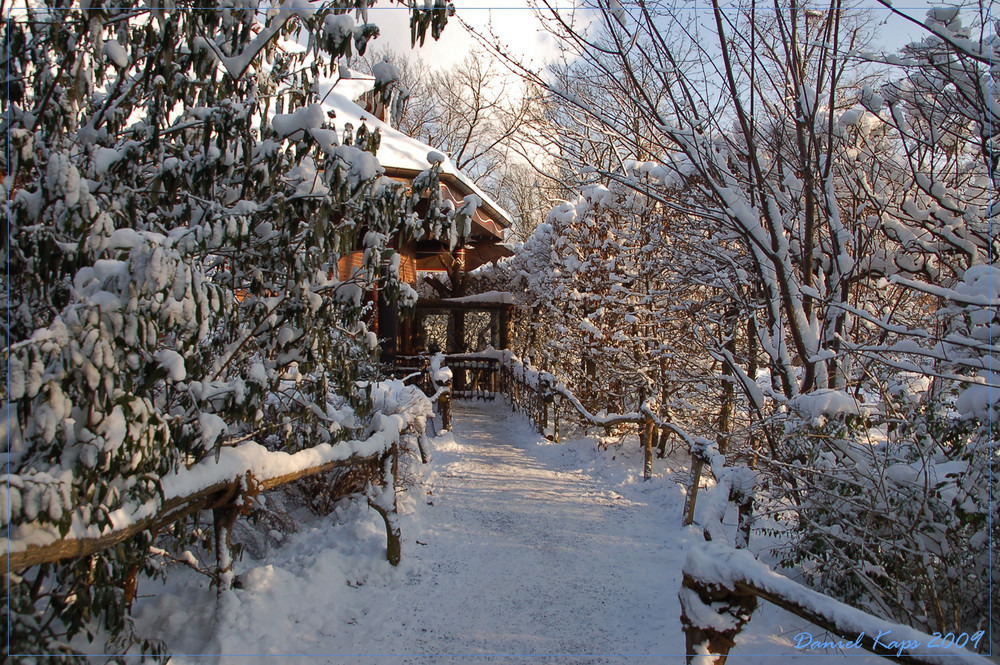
472, 111
847, 220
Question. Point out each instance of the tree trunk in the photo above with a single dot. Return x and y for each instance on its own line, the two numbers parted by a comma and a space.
696, 468
728, 400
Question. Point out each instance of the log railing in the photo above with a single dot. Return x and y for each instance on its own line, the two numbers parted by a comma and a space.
539, 395
221, 485
475, 376
530, 393
722, 585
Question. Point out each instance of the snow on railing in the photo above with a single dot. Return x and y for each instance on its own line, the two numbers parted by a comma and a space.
720, 590
533, 392
239, 474
434, 378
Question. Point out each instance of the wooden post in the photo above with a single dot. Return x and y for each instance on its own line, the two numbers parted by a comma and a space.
444, 406
421, 440
695, 482
393, 536
646, 435
734, 606
223, 519
515, 393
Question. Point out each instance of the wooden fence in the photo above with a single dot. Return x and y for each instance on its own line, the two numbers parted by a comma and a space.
536, 394
531, 394
541, 397
722, 585
415, 371
227, 486
475, 376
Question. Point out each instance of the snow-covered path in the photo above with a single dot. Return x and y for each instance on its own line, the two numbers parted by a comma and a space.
532, 557
515, 550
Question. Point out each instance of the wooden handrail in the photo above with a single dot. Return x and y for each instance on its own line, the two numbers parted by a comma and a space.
222, 492
543, 388
722, 581
171, 511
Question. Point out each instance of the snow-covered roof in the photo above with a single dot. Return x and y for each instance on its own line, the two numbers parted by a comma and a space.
353, 87
490, 297
399, 154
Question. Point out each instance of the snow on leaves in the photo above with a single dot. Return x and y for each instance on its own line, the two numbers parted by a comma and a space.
178, 200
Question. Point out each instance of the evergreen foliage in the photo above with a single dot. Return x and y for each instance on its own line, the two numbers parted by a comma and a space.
177, 202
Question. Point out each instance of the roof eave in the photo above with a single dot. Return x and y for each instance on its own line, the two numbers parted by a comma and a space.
497, 213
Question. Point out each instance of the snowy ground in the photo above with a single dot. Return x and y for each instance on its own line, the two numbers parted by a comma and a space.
516, 550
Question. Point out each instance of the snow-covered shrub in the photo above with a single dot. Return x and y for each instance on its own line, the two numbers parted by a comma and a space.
177, 201
607, 308
896, 519
892, 502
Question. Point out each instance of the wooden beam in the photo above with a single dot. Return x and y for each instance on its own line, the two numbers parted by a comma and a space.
447, 306
867, 640
170, 512
728, 582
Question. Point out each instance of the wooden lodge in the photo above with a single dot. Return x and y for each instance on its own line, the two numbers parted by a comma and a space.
451, 323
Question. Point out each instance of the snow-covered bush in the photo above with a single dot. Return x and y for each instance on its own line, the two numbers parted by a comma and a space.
894, 515
177, 200
892, 500
599, 296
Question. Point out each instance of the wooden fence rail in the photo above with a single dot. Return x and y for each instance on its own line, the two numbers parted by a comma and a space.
215, 496
535, 394
475, 376
532, 395
720, 590
240, 473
